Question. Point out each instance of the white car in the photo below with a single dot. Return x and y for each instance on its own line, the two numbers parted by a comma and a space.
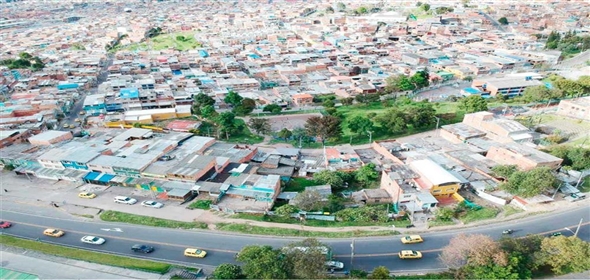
334, 265
152, 204
93, 240
125, 200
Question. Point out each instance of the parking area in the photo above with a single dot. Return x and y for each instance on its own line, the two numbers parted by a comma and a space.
65, 196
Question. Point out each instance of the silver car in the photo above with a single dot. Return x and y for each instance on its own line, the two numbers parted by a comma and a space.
93, 240
152, 204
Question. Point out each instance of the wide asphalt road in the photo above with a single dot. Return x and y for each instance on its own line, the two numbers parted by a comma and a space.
369, 252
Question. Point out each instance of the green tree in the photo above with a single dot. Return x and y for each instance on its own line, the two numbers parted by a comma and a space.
393, 121
571, 88
405, 83
308, 264
299, 133
137, 125
444, 214
285, 134
246, 107
227, 123
25, 56
380, 272
286, 210
504, 171
273, 108
525, 249
329, 10
228, 271
503, 21
208, 112
309, 200
360, 124
473, 103
540, 93
263, 262
347, 101
328, 104
420, 114
366, 174
425, 7
565, 254
362, 10
577, 158
201, 100
260, 125
530, 183
420, 79
328, 177
393, 83
233, 98
323, 127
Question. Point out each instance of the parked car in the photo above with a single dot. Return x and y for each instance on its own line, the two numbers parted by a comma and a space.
93, 240
142, 248
152, 204
409, 254
54, 232
4, 224
575, 197
125, 200
87, 195
412, 239
195, 253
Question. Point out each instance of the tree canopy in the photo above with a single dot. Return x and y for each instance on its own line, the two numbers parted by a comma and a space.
565, 254
260, 125
473, 103
273, 108
228, 271
309, 200
323, 127
263, 262
530, 183
577, 158
233, 98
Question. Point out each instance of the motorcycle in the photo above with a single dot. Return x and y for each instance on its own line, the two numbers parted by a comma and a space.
507, 231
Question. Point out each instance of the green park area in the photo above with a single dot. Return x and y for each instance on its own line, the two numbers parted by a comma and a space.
181, 41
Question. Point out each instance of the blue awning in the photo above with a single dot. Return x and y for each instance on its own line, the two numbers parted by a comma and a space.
91, 176
105, 178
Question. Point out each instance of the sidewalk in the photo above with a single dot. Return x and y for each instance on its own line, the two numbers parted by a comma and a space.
52, 267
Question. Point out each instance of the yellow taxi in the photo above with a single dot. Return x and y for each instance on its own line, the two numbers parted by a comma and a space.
195, 253
409, 254
54, 232
87, 195
412, 239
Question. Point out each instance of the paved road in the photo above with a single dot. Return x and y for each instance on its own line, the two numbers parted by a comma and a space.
369, 252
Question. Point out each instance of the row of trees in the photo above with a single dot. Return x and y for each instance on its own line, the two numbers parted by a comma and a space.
24, 61
402, 82
266, 262
569, 43
480, 257
576, 158
224, 123
562, 88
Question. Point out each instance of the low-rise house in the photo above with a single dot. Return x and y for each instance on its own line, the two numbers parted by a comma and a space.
372, 196
437, 180
192, 168
10, 137
524, 157
578, 108
50, 137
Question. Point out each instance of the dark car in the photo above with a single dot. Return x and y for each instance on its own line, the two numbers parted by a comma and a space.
4, 224
142, 248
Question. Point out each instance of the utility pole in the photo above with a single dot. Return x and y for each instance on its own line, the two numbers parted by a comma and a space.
370, 136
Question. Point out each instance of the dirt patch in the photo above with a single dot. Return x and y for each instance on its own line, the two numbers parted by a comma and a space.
289, 121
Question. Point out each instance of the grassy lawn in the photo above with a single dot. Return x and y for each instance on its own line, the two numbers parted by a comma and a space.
248, 229
316, 223
441, 223
478, 215
115, 216
243, 137
85, 255
299, 184
200, 204
509, 210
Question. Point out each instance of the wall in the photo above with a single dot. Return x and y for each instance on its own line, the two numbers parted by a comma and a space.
384, 152
51, 164
489, 197
390, 186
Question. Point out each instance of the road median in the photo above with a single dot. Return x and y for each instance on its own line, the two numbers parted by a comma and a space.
86, 255
115, 216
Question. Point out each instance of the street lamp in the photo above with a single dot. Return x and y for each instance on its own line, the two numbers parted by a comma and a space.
577, 229
370, 136
351, 257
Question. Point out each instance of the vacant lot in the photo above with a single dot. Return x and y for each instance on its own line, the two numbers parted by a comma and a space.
289, 121
181, 41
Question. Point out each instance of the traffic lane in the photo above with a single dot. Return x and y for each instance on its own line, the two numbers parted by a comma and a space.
208, 240
437, 240
429, 261
164, 252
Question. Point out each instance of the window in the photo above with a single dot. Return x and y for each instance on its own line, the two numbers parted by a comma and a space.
436, 191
